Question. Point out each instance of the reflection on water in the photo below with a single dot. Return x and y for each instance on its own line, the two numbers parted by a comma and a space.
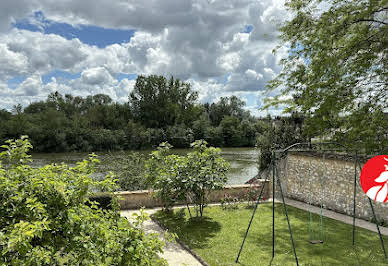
242, 161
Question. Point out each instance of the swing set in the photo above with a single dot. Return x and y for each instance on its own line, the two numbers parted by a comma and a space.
313, 238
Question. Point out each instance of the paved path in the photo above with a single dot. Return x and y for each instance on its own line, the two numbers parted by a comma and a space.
173, 252
336, 216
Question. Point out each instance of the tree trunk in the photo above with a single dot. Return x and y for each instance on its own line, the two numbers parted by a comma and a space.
188, 208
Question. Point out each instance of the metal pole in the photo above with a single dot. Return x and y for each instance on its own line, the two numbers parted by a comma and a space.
377, 224
378, 228
288, 220
354, 199
273, 203
250, 221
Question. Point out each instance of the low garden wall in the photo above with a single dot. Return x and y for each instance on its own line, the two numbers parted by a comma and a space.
302, 175
146, 198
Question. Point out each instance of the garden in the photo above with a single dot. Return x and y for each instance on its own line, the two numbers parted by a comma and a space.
216, 237
331, 80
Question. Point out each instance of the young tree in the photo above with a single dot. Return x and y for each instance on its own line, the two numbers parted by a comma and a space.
187, 178
336, 69
206, 171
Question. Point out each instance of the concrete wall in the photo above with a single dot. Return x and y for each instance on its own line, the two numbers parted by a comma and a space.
145, 198
302, 175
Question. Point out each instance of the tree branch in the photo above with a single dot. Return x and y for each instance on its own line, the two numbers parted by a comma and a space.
371, 20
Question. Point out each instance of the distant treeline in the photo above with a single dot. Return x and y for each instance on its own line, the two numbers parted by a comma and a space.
158, 109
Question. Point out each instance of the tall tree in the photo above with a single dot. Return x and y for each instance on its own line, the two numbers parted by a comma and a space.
336, 69
158, 102
227, 106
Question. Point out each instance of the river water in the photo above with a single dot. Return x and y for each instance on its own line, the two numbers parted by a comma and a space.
243, 161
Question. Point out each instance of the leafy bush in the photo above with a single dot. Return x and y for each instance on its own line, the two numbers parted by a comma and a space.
45, 219
162, 173
103, 199
187, 178
129, 170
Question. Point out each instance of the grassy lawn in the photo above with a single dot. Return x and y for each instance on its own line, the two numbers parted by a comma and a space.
217, 238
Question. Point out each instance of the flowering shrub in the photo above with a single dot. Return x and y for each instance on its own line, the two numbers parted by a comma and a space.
46, 217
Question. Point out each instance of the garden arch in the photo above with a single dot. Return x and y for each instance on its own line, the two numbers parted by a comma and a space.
276, 180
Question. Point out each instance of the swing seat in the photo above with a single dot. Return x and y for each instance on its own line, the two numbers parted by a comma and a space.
316, 242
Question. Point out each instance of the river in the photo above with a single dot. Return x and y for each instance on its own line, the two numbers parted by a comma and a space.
243, 161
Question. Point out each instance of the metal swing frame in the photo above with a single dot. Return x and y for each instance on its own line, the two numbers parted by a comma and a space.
278, 154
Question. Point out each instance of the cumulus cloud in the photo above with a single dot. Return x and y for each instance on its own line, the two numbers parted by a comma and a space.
96, 76
35, 52
203, 42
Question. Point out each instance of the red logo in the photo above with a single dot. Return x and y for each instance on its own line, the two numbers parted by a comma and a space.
374, 178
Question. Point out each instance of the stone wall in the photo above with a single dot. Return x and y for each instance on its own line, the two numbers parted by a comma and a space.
145, 198
310, 178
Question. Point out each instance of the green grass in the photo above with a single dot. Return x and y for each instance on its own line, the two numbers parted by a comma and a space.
218, 236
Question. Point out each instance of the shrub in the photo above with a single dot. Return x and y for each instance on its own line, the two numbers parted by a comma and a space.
129, 169
45, 219
103, 200
162, 173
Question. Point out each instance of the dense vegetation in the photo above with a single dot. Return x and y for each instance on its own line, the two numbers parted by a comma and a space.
47, 218
158, 110
336, 72
130, 168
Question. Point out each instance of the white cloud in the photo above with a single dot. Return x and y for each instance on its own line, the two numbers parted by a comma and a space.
36, 52
30, 87
96, 76
199, 41
11, 63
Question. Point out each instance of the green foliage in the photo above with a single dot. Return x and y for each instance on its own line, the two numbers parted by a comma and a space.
103, 200
278, 133
206, 170
157, 102
158, 110
47, 217
163, 173
227, 106
336, 70
187, 178
129, 169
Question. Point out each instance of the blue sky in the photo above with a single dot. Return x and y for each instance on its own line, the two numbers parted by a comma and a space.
88, 34
221, 48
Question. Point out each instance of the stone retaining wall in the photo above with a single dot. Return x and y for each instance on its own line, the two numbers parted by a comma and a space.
145, 198
302, 176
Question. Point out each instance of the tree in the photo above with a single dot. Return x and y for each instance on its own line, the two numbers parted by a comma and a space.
206, 171
278, 133
336, 69
129, 169
230, 130
47, 218
226, 106
158, 102
186, 178
163, 110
